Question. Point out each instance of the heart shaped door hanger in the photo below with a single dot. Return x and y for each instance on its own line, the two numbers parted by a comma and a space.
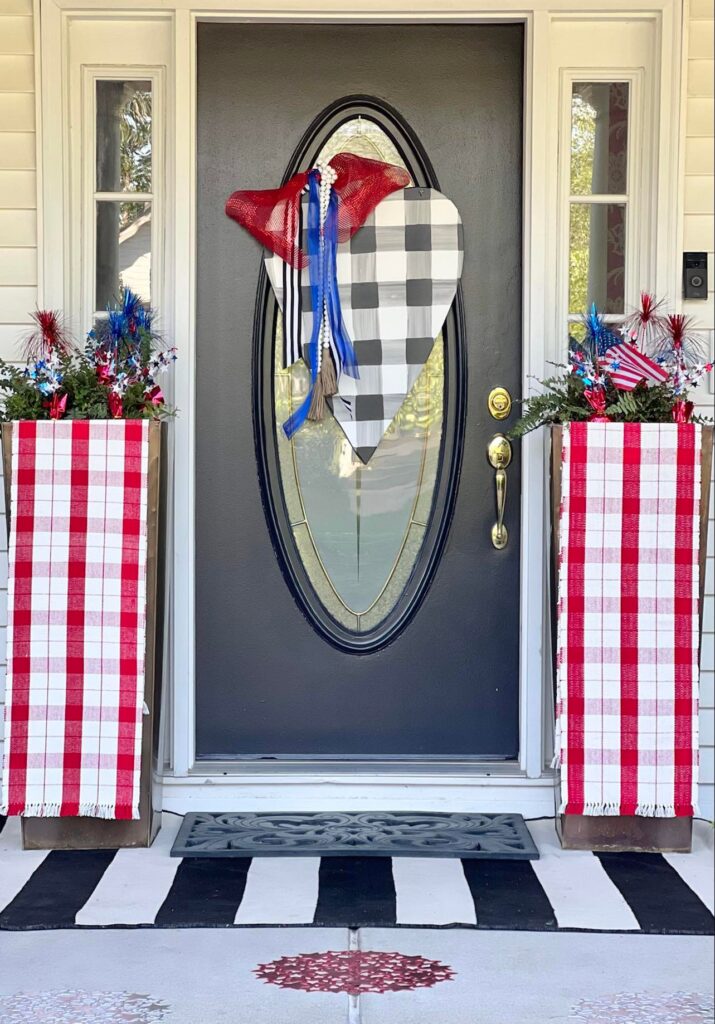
397, 278
365, 270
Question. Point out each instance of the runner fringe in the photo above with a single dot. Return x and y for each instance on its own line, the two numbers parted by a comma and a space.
613, 810
606, 808
54, 810
662, 810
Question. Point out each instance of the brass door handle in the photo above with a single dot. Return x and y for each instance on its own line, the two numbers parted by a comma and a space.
499, 455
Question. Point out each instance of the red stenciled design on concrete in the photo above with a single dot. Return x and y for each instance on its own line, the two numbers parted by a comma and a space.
645, 1008
354, 972
77, 1006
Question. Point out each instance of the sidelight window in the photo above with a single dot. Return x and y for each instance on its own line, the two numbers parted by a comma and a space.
124, 189
599, 197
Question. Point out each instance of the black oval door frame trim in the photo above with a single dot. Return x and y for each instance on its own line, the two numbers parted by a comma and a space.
454, 332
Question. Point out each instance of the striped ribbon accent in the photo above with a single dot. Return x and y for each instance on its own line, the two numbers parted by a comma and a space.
292, 295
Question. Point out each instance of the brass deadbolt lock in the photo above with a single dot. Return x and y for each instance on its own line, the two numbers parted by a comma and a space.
499, 403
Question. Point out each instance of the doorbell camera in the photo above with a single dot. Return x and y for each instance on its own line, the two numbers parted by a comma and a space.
695, 275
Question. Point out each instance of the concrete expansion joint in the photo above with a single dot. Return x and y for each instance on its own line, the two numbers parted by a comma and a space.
354, 1014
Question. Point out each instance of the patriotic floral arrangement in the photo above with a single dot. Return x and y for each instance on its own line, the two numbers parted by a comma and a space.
114, 377
640, 371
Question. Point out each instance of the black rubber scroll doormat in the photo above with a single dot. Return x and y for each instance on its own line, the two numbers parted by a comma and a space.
378, 834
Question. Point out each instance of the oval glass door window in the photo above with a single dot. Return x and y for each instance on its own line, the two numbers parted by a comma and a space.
359, 528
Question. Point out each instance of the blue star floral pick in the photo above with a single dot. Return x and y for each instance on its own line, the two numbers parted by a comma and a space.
599, 336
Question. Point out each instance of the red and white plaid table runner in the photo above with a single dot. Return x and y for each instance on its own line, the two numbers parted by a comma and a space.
627, 664
76, 619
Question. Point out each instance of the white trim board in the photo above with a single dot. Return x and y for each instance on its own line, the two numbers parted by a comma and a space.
283, 792
643, 39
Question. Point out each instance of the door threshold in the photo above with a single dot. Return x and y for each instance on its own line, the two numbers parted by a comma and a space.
502, 789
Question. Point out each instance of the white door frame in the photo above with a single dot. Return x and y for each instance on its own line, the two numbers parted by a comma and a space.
527, 783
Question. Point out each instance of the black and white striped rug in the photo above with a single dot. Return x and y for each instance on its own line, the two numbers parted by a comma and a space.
562, 891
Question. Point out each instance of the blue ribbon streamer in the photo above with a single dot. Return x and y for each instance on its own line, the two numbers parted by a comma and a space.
322, 264
347, 362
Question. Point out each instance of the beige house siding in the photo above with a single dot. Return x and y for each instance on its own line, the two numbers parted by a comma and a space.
18, 214
18, 250
18, 186
698, 234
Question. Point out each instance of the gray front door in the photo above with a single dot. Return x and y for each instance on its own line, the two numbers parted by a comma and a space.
346, 610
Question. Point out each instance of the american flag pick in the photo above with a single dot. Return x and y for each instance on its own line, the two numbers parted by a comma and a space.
627, 367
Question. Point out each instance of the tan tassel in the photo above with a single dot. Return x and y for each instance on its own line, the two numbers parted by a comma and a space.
327, 374
317, 401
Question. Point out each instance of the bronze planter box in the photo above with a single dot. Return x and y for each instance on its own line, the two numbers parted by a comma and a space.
83, 833
608, 832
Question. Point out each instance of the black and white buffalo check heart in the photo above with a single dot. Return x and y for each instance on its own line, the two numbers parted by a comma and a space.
397, 278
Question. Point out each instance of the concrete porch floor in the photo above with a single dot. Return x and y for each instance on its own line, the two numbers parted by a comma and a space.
207, 976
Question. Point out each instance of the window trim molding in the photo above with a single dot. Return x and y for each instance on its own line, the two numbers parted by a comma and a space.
638, 200
68, 62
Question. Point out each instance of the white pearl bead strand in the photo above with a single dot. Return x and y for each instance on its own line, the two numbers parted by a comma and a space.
328, 177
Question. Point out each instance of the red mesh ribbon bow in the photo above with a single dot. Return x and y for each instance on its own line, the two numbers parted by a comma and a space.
271, 215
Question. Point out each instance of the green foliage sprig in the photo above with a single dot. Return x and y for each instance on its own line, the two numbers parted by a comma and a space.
563, 401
